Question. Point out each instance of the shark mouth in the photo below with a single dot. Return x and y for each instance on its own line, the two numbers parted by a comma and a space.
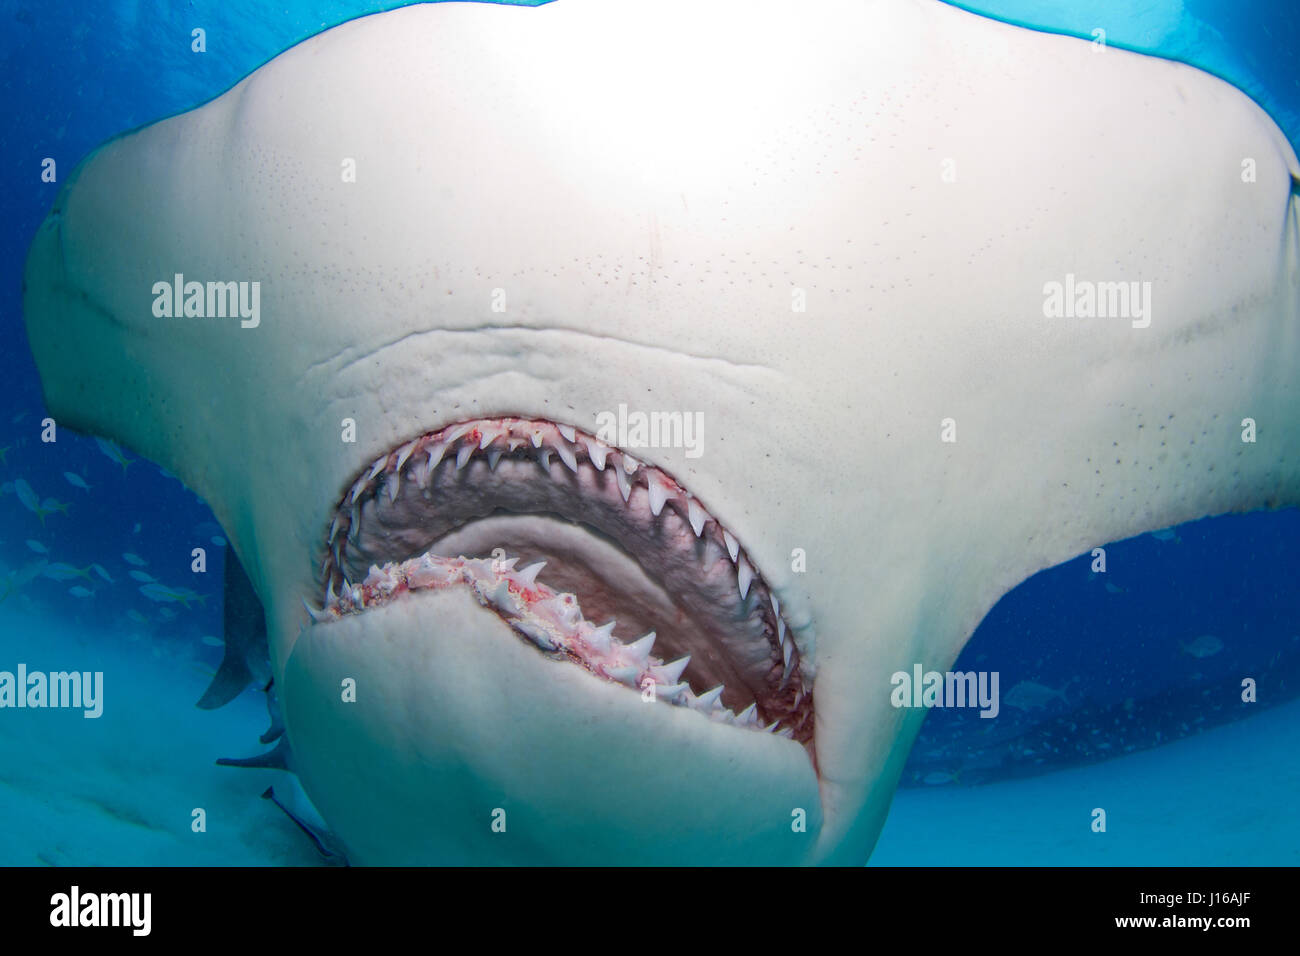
555, 530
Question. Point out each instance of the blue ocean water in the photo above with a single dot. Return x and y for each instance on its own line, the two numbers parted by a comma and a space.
1135, 709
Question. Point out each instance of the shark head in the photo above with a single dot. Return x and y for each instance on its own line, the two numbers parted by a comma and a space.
789, 341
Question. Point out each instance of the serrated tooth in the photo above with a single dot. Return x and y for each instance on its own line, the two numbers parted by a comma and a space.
330, 597
600, 637
798, 696
786, 732
596, 452
744, 577
722, 716
624, 486
780, 630
458, 431
508, 564
493, 457
544, 459
630, 464
733, 546
787, 652
785, 674
334, 529
514, 443
357, 487
747, 716
639, 650
708, 700
404, 453
500, 595
696, 514
354, 522
670, 673
771, 727
462, 456
392, 482
566, 455
776, 605
528, 576
317, 616
376, 468
536, 437
671, 692
658, 495
568, 432
487, 437
624, 675
536, 633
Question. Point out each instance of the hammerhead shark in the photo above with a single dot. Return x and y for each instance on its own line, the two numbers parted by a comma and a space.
418, 305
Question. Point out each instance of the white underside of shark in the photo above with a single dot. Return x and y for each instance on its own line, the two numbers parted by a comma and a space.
827, 227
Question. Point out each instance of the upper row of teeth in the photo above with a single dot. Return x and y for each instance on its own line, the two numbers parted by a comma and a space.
496, 438
552, 621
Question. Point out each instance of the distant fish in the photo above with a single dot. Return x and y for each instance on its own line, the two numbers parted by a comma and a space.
136, 616
167, 614
37, 547
211, 641
4, 452
161, 592
135, 559
80, 592
53, 504
143, 577
1029, 695
113, 452
937, 778
102, 573
1207, 645
1114, 588
59, 571
28, 497
76, 480
136, 529
219, 541
1166, 535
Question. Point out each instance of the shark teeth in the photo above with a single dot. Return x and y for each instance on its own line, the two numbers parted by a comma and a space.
553, 622
502, 446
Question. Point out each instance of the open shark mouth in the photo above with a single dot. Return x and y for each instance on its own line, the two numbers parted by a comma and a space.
602, 537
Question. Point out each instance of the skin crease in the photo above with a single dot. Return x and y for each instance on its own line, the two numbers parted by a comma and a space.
647, 184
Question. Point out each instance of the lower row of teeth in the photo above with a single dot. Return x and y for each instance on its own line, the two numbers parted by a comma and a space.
550, 620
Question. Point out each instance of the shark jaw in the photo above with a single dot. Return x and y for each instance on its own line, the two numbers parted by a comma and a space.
631, 546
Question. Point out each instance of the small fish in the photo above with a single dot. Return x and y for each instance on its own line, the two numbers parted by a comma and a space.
136, 529
160, 592
76, 480
937, 778
102, 573
28, 497
59, 571
1207, 645
136, 616
3, 452
1166, 534
53, 504
115, 453
211, 641
1114, 588
219, 541
37, 547
167, 614
1028, 695
80, 592
135, 559
143, 577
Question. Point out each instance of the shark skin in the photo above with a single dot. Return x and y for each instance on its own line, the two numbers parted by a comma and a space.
651, 187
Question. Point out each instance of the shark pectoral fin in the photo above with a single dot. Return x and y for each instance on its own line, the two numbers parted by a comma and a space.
247, 657
296, 805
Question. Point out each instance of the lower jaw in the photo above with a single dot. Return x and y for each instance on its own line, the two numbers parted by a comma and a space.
481, 751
